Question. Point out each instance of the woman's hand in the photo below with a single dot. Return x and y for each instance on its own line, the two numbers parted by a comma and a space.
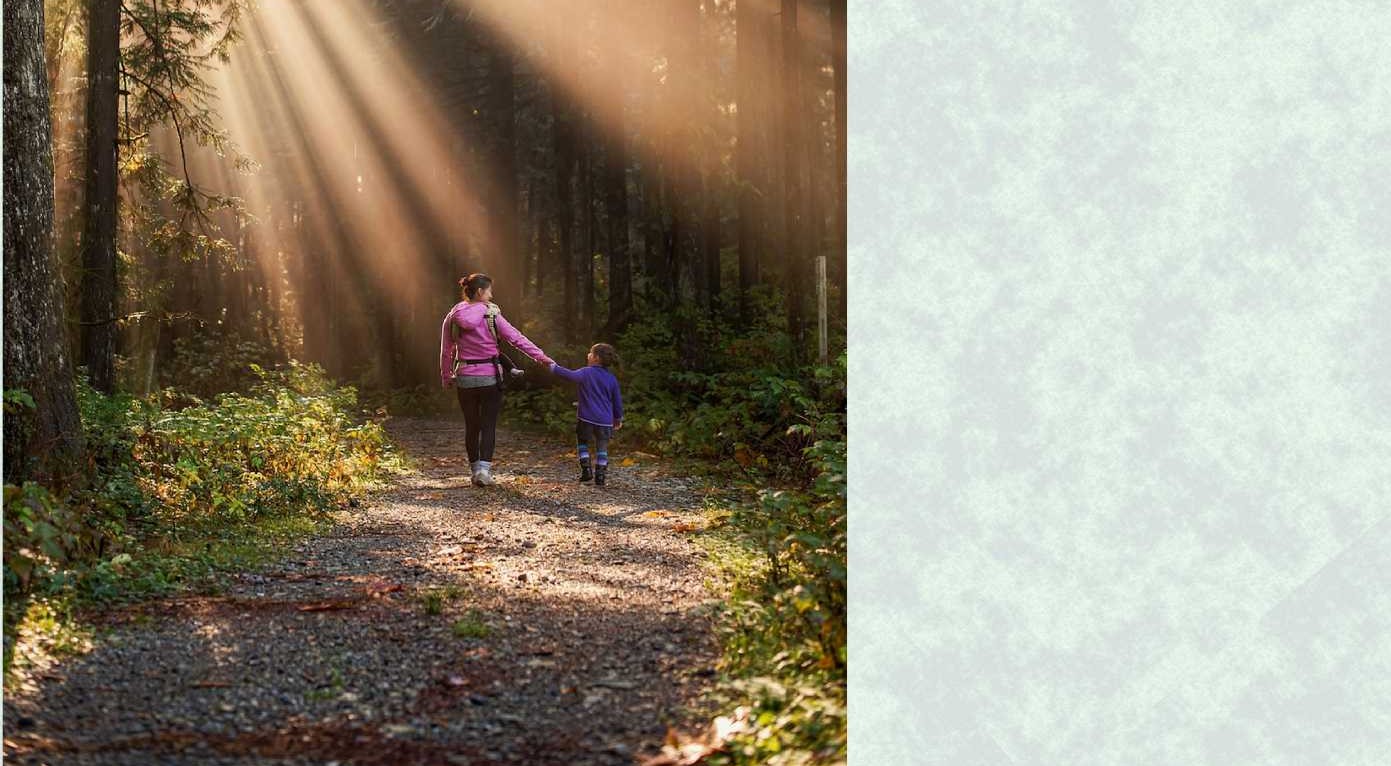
617, 425
546, 361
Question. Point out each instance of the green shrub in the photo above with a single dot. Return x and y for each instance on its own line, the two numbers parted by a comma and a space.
214, 360
171, 466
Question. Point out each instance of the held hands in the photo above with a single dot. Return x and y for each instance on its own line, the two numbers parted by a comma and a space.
545, 361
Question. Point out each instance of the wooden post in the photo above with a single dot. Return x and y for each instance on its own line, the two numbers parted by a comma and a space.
821, 307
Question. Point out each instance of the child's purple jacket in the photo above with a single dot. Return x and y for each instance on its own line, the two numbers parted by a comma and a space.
465, 335
601, 403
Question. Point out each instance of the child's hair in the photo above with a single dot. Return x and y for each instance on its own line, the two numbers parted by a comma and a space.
472, 283
608, 355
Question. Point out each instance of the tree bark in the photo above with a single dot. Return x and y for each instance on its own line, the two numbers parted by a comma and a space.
616, 206
565, 207
98, 310
710, 243
502, 88
837, 269
44, 442
709, 155
794, 166
587, 254
749, 67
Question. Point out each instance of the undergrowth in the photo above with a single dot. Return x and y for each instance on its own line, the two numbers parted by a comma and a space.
180, 488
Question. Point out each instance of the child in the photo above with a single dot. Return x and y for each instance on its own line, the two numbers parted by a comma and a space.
601, 408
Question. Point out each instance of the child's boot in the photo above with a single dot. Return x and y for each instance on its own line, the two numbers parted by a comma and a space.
600, 472
585, 474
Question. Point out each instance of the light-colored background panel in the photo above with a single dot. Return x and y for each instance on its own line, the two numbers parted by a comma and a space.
1121, 368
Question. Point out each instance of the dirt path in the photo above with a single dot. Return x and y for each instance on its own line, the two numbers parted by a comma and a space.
592, 601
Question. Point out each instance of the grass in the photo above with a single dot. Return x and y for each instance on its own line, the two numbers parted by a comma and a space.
471, 625
331, 690
434, 599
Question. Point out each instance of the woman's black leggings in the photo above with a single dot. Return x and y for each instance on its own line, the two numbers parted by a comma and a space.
481, 407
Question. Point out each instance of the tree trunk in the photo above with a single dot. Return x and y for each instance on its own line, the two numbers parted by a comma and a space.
616, 206
709, 156
565, 207
99, 231
710, 241
526, 223
44, 442
686, 151
750, 180
837, 274
502, 88
794, 166
587, 255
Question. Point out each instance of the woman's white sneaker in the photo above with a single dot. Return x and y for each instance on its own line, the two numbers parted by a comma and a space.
484, 476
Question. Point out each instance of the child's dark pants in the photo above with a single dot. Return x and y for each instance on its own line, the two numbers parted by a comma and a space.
599, 435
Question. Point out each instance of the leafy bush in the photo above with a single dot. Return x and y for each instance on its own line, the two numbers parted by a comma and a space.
171, 466
786, 725
784, 625
214, 360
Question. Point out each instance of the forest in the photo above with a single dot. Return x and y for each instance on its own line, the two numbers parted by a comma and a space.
231, 231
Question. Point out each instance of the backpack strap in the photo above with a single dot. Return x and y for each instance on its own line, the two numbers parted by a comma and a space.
501, 361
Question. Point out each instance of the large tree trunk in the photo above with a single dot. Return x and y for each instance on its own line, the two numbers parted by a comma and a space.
710, 175
587, 255
502, 88
687, 143
42, 443
99, 232
565, 206
838, 252
616, 206
794, 167
614, 62
710, 243
749, 65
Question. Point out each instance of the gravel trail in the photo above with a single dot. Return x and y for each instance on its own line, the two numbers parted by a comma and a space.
539, 621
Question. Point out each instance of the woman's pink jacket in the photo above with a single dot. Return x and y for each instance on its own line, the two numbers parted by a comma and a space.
465, 335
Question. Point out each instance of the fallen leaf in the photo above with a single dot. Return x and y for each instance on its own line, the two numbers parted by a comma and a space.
627, 462
326, 606
378, 589
658, 514
685, 526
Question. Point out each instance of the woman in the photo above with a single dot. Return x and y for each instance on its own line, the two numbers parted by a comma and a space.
468, 361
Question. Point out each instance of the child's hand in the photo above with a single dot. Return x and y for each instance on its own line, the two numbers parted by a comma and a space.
617, 425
